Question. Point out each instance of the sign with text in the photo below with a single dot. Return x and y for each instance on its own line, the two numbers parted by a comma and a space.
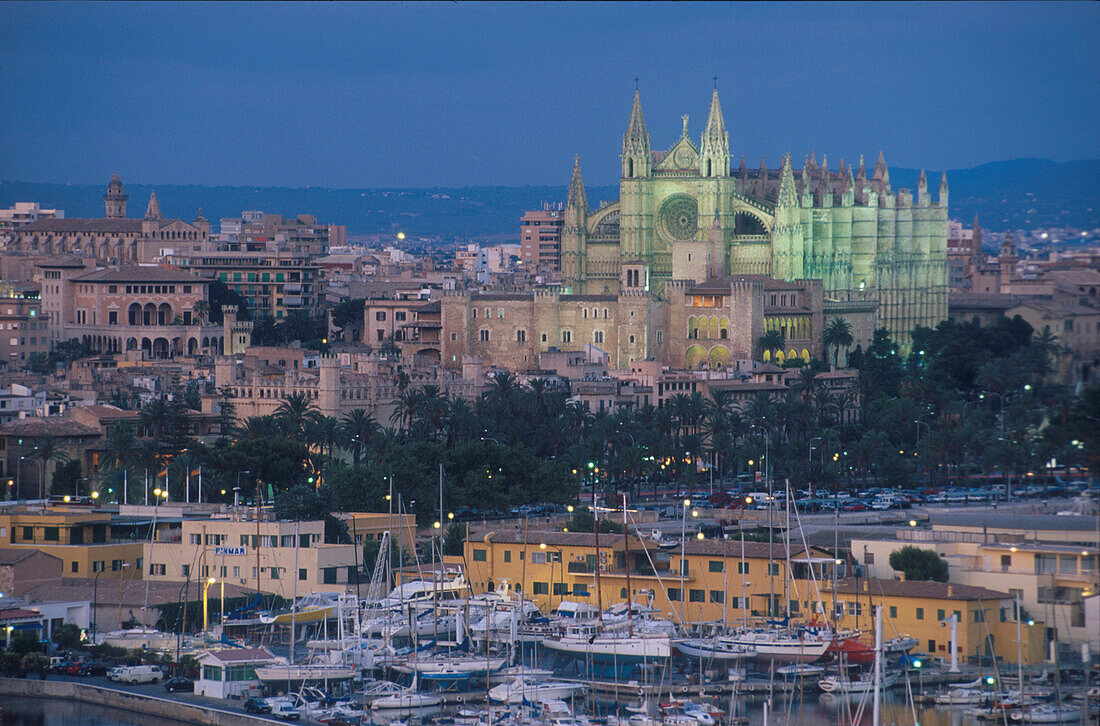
230, 551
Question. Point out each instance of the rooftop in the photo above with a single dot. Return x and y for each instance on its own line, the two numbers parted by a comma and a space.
84, 225
1027, 522
236, 655
141, 273
52, 426
927, 590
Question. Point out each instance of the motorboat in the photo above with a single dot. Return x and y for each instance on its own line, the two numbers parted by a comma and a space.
510, 673
591, 641
718, 648
799, 670
455, 667
529, 690
309, 673
311, 608
781, 646
899, 645
1048, 713
960, 697
864, 684
423, 591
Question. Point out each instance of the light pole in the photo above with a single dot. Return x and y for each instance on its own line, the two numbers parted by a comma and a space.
561, 563
237, 490
95, 601
917, 446
205, 605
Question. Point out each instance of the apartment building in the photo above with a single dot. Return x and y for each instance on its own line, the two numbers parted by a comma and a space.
540, 239
1049, 561
278, 557
81, 539
273, 282
24, 329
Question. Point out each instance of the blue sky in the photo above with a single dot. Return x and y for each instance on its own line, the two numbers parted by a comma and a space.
454, 94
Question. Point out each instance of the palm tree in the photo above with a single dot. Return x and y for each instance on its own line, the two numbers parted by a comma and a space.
771, 341
360, 429
1046, 345
838, 334
119, 448
155, 419
48, 449
295, 414
258, 427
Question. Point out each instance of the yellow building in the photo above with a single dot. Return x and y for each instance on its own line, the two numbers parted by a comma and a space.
706, 580
81, 539
366, 526
1048, 560
279, 557
986, 618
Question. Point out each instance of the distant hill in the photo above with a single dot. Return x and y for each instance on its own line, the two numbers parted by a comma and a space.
1017, 194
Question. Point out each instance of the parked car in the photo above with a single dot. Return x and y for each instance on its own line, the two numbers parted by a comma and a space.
142, 674
92, 668
257, 705
285, 711
116, 673
179, 684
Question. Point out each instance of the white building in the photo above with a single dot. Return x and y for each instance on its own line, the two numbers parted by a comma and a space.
230, 673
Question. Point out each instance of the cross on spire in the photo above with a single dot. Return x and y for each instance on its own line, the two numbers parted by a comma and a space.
715, 83
635, 83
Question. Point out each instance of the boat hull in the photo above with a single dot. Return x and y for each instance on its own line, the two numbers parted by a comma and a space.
622, 649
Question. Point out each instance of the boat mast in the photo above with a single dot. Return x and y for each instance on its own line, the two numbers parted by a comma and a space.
596, 529
626, 559
876, 705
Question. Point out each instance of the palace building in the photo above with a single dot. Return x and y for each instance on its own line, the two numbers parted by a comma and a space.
686, 215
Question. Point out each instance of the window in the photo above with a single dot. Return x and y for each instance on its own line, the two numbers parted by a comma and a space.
116, 565
597, 336
211, 673
717, 596
566, 336
894, 611
868, 558
958, 615
328, 575
581, 589
112, 317
275, 573
742, 568
196, 539
521, 336
483, 335
303, 574
544, 337
773, 568
696, 595
500, 312
674, 594
684, 567
541, 588
185, 570
399, 316
28, 533
507, 555
979, 615
479, 555
380, 316
51, 534
941, 615
561, 588
715, 566
920, 613
1006, 562
155, 569
75, 566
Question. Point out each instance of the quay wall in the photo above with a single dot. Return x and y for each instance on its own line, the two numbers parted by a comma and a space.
160, 708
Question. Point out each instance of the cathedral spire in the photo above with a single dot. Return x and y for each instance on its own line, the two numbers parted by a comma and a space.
762, 179
861, 174
813, 159
787, 196
577, 196
715, 148
152, 212
636, 152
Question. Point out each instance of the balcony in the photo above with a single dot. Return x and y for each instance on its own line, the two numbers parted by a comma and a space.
294, 301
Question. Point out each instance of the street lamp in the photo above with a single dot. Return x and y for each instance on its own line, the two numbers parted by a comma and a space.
205, 605
237, 490
95, 601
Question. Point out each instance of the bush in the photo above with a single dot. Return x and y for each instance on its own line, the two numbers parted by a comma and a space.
919, 564
67, 636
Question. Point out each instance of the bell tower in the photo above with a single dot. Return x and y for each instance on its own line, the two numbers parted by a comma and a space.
115, 198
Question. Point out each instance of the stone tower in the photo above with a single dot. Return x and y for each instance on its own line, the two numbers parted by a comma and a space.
115, 198
152, 212
574, 226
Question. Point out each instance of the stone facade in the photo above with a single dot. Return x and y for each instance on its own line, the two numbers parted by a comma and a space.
692, 325
113, 239
686, 215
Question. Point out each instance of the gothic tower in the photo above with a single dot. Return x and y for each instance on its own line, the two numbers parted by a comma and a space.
714, 160
636, 155
574, 229
115, 198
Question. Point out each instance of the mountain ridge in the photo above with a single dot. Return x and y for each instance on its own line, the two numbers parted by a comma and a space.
1023, 193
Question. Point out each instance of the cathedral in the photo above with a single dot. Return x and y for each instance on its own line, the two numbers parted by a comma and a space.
685, 215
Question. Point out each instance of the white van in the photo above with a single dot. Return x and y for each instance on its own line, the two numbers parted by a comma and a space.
142, 674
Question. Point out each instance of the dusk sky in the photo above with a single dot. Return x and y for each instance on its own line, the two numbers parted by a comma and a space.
455, 94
